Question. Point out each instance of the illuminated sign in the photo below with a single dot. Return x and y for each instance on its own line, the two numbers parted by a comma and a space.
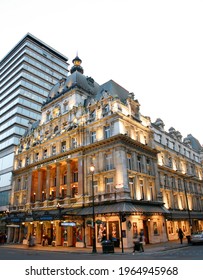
68, 224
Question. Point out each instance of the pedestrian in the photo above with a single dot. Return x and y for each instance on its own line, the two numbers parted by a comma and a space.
180, 235
141, 241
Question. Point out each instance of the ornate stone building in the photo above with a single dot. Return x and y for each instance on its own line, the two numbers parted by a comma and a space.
180, 179
85, 124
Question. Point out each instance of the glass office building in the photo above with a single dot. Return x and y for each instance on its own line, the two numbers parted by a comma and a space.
27, 73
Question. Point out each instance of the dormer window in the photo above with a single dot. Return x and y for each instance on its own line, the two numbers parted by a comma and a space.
65, 106
92, 115
106, 110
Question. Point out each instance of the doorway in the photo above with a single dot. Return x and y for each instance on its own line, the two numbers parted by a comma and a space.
146, 233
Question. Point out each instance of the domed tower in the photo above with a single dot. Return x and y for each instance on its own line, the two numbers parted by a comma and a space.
76, 65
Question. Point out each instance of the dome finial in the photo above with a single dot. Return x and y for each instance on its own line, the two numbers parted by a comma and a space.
76, 65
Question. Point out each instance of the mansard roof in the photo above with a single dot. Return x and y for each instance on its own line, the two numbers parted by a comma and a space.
194, 143
113, 89
76, 79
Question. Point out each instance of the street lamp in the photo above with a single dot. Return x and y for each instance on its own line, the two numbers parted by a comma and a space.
94, 249
188, 210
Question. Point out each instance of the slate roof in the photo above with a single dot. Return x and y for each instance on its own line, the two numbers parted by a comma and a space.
76, 79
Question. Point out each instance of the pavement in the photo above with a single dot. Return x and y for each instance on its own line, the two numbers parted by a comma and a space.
164, 246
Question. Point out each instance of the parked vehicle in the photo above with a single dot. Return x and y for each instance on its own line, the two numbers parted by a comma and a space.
197, 237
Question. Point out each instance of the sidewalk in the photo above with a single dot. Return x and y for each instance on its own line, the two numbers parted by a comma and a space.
169, 245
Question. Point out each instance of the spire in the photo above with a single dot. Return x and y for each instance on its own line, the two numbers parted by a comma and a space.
76, 65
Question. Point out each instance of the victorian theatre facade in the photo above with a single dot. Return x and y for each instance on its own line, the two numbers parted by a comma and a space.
85, 124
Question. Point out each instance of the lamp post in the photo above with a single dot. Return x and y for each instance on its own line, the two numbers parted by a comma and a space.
122, 220
94, 249
187, 204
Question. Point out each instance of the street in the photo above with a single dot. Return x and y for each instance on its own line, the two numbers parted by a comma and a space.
184, 253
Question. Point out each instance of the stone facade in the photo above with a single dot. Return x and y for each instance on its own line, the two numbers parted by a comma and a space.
84, 124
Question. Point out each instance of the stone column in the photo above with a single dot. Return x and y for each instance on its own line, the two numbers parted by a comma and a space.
48, 182
120, 162
80, 176
58, 180
68, 178
144, 164
29, 187
157, 183
134, 160
39, 188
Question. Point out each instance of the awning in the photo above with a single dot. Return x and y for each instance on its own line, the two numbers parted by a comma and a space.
116, 208
184, 215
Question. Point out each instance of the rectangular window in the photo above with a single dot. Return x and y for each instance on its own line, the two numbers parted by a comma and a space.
109, 162
18, 187
74, 143
105, 110
132, 188
36, 156
129, 161
75, 176
149, 166
27, 160
109, 185
95, 186
93, 137
53, 150
139, 165
65, 179
63, 146
141, 190
45, 153
107, 131
74, 190
24, 199
25, 185
151, 191
175, 198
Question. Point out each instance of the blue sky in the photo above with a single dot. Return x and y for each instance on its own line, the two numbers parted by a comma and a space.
151, 48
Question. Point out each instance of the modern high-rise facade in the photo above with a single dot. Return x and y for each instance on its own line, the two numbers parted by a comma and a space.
27, 73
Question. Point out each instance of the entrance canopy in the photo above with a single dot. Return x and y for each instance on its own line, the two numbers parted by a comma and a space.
116, 208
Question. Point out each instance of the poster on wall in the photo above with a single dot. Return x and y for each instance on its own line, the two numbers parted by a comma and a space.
113, 230
135, 230
101, 230
79, 234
